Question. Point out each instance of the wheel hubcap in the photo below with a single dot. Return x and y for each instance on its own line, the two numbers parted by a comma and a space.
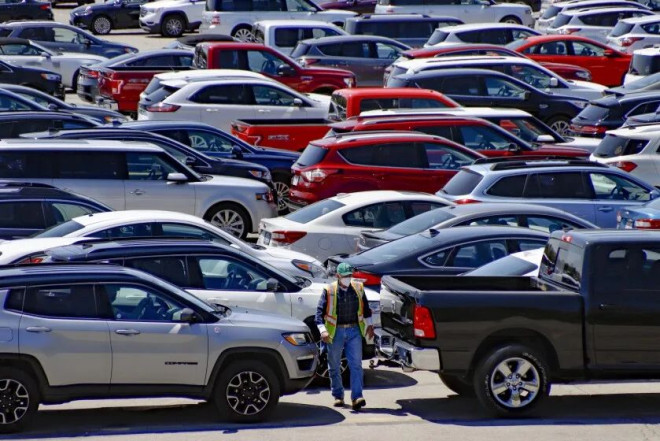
561, 127
230, 221
102, 25
282, 192
243, 35
174, 26
14, 401
515, 382
248, 393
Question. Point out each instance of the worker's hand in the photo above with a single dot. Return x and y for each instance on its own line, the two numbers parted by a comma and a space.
325, 337
370, 331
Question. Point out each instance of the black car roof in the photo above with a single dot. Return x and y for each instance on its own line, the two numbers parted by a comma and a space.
36, 114
10, 190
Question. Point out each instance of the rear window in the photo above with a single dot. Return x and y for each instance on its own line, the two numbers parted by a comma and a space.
311, 212
550, 12
593, 112
562, 264
338, 107
421, 222
438, 36
620, 29
312, 155
463, 182
508, 266
644, 64
561, 20
399, 103
613, 145
153, 85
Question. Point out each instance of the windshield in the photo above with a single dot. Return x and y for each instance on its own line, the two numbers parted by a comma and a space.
613, 145
421, 222
60, 230
316, 210
644, 64
508, 266
620, 29
562, 263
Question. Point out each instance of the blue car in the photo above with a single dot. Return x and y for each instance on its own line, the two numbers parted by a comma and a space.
216, 143
645, 217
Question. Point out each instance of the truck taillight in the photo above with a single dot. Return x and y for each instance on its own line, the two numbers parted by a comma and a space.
366, 278
626, 166
317, 175
287, 237
163, 108
423, 322
647, 224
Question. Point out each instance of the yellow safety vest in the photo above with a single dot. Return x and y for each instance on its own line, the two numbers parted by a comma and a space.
331, 308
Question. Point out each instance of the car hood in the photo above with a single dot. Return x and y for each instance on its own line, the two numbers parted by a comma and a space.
587, 85
84, 58
254, 317
231, 181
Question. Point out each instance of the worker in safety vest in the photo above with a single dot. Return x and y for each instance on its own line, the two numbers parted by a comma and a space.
343, 318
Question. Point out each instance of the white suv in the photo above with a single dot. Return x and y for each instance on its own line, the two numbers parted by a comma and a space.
128, 176
551, 12
236, 18
593, 23
171, 18
644, 62
468, 11
635, 33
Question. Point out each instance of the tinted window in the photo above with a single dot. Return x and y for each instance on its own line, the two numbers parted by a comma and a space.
463, 182
174, 269
627, 270
181, 230
421, 222
22, 215
652, 28
234, 94
387, 155
77, 301
287, 37
148, 167
311, 212
550, 48
312, 155
376, 216
548, 224
505, 220
89, 165
38, 34
644, 64
461, 86
64, 211
165, 61
224, 273
621, 28
509, 187
438, 36
560, 20
61, 230
613, 145
131, 230
14, 299
557, 186
15, 164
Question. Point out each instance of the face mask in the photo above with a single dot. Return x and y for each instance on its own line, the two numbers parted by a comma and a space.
344, 281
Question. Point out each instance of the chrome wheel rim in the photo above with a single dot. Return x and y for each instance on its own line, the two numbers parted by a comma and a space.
174, 27
248, 393
561, 127
14, 401
515, 383
198, 142
323, 369
102, 25
230, 221
282, 189
243, 34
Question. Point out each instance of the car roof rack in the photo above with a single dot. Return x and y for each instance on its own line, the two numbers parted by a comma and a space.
544, 162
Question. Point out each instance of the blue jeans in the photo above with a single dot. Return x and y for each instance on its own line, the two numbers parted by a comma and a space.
348, 340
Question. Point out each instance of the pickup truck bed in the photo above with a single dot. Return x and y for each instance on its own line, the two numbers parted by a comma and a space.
285, 134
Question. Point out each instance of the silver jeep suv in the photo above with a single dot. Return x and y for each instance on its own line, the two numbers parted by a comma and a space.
72, 332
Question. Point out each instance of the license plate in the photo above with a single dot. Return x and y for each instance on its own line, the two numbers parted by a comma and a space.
266, 237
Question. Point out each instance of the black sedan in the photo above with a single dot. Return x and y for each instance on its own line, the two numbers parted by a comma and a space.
25, 10
15, 124
40, 79
435, 252
101, 18
536, 217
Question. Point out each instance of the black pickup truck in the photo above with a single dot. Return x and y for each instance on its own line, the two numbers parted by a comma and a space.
593, 313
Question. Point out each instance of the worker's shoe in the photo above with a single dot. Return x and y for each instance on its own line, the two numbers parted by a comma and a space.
338, 402
359, 403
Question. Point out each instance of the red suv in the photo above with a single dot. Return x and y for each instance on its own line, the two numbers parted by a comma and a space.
375, 161
474, 133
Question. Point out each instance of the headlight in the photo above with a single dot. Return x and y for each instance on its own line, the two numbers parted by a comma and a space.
316, 271
580, 104
297, 339
51, 77
261, 174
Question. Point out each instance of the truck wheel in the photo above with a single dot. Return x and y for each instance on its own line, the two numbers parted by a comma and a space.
101, 25
243, 33
282, 186
173, 26
511, 380
19, 399
230, 217
247, 392
457, 385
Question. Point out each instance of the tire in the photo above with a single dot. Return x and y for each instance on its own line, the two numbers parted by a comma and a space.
74, 81
246, 392
560, 124
101, 25
457, 385
282, 186
509, 372
173, 25
243, 33
511, 19
230, 217
18, 393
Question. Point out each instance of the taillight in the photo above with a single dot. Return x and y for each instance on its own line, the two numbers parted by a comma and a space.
366, 278
629, 40
45, 7
466, 201
287, 237
163, 108
32, 260
317, 175
593, 130
423, 322
647, 224
92, 73
626, 166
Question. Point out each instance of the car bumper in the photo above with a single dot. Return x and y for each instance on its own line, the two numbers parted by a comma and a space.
408, 356
87, 92
150, 25
107, 103
81, 21
301, 363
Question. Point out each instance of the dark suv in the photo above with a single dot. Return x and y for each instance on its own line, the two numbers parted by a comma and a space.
28, 208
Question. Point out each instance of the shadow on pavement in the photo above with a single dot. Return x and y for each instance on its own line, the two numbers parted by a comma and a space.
386, 379
180, 418
566, 409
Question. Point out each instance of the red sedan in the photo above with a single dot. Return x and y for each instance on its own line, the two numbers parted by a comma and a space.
607, 66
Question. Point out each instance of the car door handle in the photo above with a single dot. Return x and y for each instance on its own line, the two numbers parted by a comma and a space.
137, 192
605, 209
608, 307
37, 329
127, 331
263, 111
212, 110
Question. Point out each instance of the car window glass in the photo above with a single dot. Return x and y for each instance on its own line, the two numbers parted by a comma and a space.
419, 207
436, 259
9, 104
263, 62
461, 86
648, 107
22, 215
614, 187
224, 273
272, 96
529, 244
19, 49
509, 187
483, 138
36, 33
529, 75
235, 94
321, 32
148, 167
299, 6
506, 220
376, 216
71, 301
551, 48
557, 186
207, 142
387, 51
165, 61
652, 28
182, 230
502, 88
266, 5
123, 231
421, 103
287, 37
89, 165
387, 155
495, 36
64, 211
443, 157
129, 302
548, 224
183, 60
517, 34
584, 49
470, 36
625, 271
37, 99
64, 35
355, 50
476, 254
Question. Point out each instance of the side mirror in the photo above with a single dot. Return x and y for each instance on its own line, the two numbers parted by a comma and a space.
609, 53
545, 138
187, 315
236, 152
284, 70
513, 147
177, 177
190, 161
272, 285
554, 82
53, 107
297, 102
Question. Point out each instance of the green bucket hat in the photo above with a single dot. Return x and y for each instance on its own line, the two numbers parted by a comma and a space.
344, 269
